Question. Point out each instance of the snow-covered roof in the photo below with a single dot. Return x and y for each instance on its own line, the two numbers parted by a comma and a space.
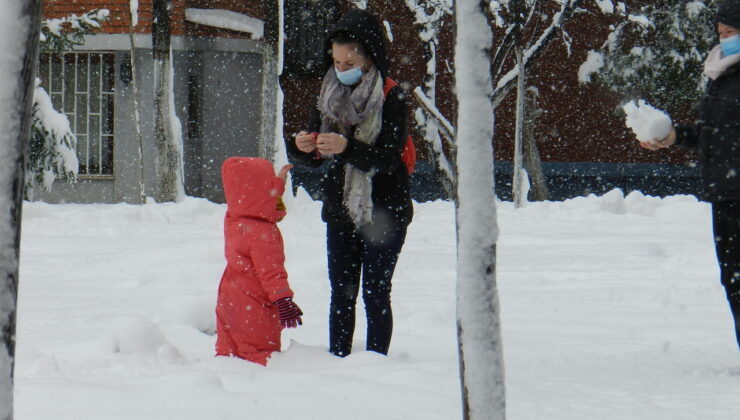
226, 19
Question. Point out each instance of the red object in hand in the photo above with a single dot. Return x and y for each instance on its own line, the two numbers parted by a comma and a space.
315, 140
290, 313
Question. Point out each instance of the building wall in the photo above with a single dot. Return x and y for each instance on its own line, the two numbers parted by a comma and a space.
225, 92
120, 16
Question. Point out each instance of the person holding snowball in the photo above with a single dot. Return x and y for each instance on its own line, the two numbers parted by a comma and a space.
255, 301
716, 137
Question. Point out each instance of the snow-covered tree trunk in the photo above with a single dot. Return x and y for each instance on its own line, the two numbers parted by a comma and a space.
133, 20
20, 24
169, 152
478, 323
517, 181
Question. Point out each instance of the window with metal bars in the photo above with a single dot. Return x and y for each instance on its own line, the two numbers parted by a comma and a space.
81, 85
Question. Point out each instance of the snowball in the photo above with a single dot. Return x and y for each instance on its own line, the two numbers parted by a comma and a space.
648, 124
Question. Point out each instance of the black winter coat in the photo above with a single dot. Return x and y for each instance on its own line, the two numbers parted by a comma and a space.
391, 190
716, 137
391, 193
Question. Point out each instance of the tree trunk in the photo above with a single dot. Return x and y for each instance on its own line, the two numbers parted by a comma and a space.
478, 323
137, 107
17, 71
517, 175
168, 152
532, 160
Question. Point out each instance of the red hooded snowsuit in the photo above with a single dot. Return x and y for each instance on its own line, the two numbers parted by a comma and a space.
247, 324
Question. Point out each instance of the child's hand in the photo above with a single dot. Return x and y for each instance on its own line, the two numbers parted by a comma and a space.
283, 173
290, 313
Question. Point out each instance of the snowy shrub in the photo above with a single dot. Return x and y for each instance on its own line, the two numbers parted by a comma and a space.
64, 34
51, 149
51, 152
656, 51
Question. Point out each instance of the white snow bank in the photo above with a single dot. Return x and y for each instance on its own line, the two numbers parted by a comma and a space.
649, 124
226, 19
134, 335
611, 310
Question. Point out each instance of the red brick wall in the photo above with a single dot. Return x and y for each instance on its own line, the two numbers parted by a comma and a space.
119, 19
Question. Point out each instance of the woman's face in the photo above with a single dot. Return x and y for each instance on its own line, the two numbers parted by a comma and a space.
726, 31
346, 56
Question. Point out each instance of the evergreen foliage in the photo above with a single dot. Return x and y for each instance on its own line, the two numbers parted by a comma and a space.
59, 35
657, 52
51, 150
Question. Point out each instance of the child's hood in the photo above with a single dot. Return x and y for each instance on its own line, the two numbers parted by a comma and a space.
251, 188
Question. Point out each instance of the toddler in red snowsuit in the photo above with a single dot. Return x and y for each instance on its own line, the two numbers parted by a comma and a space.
254, 298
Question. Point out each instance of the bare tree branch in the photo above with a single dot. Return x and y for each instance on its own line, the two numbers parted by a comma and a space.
508, 81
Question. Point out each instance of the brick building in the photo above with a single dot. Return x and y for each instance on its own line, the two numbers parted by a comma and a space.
225, 82
225, 55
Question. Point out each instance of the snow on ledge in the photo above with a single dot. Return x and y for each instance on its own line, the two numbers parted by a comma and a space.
226, 19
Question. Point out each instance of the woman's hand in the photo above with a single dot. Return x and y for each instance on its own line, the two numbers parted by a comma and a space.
331, 143
662, 143
283, 173
305, 142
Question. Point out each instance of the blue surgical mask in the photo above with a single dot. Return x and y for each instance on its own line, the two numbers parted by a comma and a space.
349, 77
730, 45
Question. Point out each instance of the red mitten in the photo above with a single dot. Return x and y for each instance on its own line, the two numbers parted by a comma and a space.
290, 313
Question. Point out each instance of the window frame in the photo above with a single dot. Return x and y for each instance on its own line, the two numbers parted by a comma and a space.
101, 114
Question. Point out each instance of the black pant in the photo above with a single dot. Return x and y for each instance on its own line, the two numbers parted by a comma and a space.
351, 253
726, 222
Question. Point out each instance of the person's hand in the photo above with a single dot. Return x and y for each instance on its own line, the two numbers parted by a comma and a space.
331, 143
662, 143
283, 173
290, 313
305, 142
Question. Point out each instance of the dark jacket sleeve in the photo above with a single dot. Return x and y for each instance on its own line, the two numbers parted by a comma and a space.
687, 136
298, 157
385, 155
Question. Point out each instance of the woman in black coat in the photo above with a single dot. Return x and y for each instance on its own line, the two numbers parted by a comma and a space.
716, 137
359, 132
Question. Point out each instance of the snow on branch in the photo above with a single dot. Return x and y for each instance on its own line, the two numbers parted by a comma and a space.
226, 19
506, 82
65, 33
435, 113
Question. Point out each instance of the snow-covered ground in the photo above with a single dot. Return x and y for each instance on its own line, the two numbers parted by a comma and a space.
611, 309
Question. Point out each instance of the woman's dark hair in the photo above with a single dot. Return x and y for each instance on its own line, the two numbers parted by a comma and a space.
366, 30
346, 38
